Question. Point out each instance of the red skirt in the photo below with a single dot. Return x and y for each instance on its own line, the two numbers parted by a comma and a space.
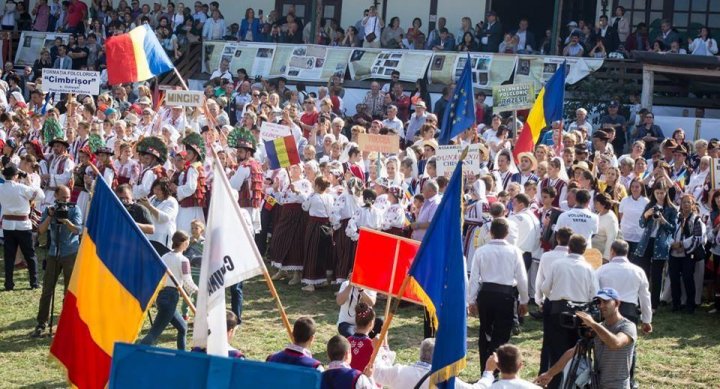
343, 252
286, 245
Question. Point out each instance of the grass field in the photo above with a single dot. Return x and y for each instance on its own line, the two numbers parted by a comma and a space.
681, 353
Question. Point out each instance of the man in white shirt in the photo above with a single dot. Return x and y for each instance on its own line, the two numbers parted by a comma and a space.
498, 211
571, 281
528, 234
508, 360
223, 72
497, 268
15, 201
394, 122
417, 119
214, 28
580, 219
547, 260
347, 298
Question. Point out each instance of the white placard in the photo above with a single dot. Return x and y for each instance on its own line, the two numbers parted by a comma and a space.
715, 173
71, 81
270, 131
447, 158
184, 98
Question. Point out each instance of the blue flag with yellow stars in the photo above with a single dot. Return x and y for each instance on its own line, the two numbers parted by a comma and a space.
437, 276
460, 115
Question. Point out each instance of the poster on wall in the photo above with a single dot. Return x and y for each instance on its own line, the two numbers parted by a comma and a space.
31, 42
374, 63
256, 59
488, 70
309, 62
537, 70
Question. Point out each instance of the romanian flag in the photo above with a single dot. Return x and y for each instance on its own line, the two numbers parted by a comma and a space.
282, 152
548, 108
135, 56
116, 277
437, 276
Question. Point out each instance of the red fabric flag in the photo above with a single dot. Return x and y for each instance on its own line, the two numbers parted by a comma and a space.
382, 261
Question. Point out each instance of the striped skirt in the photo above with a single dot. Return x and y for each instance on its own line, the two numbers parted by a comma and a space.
286, 245
343, 252
318, 252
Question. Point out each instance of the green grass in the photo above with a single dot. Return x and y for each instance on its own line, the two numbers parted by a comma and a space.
682, 352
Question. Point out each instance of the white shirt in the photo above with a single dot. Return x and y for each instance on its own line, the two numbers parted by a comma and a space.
190, 186
144, 187
572, 279
220, 74
347, 310
607, 233
401, 376
15, 199
528, 232
318, 205
545, 267
396, 124
631, 211
580, 221
501, 263
512, 237
630, 281
363, 382
164, 223
179, 265
364, 217
516, 383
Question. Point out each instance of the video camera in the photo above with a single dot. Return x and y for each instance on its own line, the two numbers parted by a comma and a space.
572, 321
61, 210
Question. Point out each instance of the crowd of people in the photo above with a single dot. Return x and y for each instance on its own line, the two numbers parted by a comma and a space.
645, 203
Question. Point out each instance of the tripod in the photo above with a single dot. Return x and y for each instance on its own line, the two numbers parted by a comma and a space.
584, 351
56, 228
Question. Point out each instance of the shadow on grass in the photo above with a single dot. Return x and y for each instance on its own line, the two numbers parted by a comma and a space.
28, 324
45, 384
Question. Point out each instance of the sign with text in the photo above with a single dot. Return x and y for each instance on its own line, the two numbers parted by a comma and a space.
715, 173
270, 131
389, 144
71, 81
447, 158
184, 98
513, 97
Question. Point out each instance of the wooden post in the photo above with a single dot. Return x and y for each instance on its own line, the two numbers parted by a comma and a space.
648, 88
392, 279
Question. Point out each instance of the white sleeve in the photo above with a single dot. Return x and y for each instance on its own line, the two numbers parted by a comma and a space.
190, 186
521, 278
167, 211
540, 277
144, 188
612, 232
109, 176
474, 283
238, 178
364, 382
352, 229
644, 297
64, 177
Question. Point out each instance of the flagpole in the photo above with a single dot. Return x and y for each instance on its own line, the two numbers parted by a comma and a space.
388, 318
266, 275
392, 278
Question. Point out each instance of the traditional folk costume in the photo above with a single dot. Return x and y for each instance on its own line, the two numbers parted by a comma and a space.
297, 356
60, 172
156, 147
192, 187
287, 243
342, 211
79, 192
362, 348
395, 219
318, 245
108, 172
248, 178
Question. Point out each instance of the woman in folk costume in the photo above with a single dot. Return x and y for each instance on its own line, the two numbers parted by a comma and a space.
558, 179
376, 168
288, 234
474, 219
336, 176
9, 155
381, 190
82, 179
504, 168
394, 175
153, 154
352, 161
408, 168
318, 237
191, 190
344, 208
395, 221
368, 216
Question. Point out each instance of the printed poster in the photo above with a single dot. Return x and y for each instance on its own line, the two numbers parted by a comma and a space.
380, 64
30, 44
256, 59
309, 62
488, 70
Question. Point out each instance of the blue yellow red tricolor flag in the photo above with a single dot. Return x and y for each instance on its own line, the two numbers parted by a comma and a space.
548, 108
437, 276
282, 152
116, 277
135, 56
460, 114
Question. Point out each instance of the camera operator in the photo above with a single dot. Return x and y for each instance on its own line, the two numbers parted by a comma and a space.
613, 342
15, 199
632, 285
571, 281
140, 214
65, 225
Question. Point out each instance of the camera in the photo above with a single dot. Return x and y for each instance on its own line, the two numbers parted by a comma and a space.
657, 211
572, 321
62, 210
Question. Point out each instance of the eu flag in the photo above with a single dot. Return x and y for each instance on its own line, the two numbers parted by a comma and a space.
437, 276
460, 115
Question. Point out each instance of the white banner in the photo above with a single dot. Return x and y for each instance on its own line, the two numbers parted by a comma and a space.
71, 81
230, 256
270, 131
184, 98
447, 158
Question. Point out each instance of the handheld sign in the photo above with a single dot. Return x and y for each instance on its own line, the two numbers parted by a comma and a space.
270, 131
71, 81
389, 144
184, 98
513, 97
447, 158
715, 173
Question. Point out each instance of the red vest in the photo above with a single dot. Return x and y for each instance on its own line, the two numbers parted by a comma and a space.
559, 185
111, 167
198, 198
251, 191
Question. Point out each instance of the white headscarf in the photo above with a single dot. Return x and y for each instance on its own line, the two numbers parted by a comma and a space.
563, 172
513, 168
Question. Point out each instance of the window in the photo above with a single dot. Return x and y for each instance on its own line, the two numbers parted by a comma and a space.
690, 15
642, 11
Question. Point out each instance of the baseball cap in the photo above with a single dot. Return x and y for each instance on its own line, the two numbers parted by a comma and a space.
614, 103
608, 294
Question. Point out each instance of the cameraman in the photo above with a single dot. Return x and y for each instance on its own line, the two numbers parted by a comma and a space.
614, 341
64, 243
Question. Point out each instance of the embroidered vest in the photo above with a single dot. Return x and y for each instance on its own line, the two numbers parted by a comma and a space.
341, 378
251, 191
290, 357
198, 198
559, 185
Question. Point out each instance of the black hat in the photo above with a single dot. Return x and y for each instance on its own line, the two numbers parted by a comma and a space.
614, 103
10, 171
581, 148
105, 150
713, 144
59, 140
680, 149
600, 134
